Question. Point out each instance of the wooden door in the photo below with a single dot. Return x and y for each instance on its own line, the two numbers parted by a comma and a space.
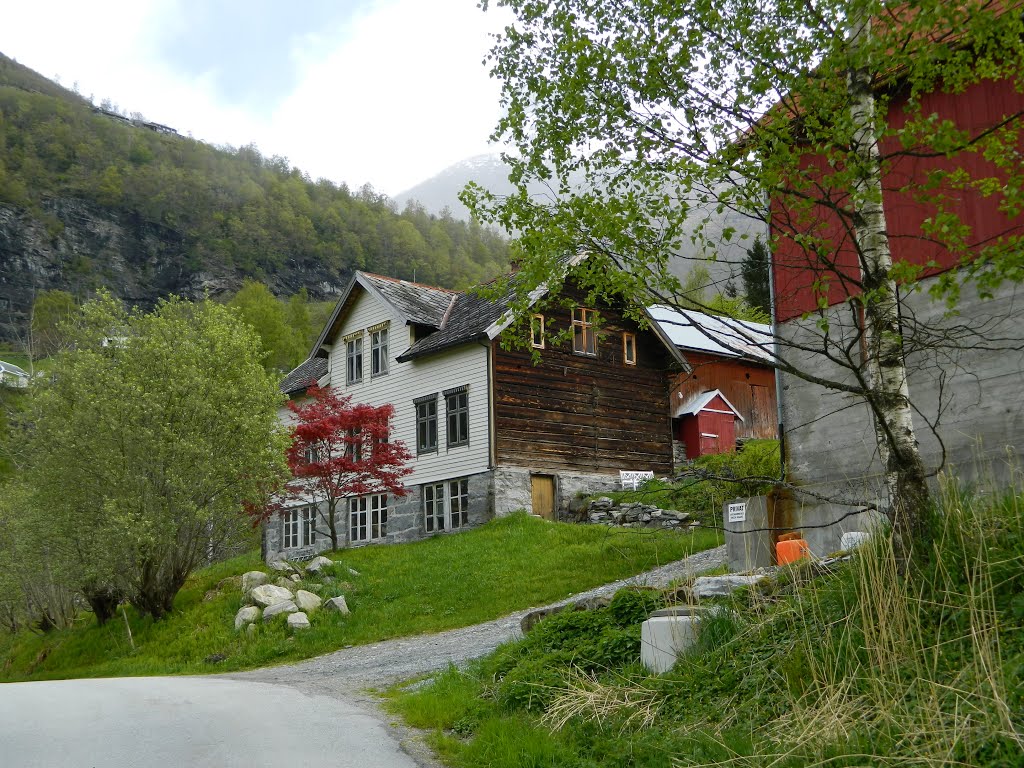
763, 415
543, 487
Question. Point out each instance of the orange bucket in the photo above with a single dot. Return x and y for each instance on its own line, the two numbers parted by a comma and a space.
791, 550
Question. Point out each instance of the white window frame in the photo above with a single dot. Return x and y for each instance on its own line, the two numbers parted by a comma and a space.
298, 527
367, 517
445, 505
378, 352
354, 360
584, 332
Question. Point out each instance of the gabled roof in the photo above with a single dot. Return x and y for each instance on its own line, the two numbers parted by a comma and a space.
697, 403
715, 335
310, 372
415, 303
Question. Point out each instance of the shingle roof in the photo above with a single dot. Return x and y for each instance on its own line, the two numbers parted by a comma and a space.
421, 304
469, 319
307, 373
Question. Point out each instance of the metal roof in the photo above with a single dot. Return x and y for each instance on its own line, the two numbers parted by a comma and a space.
715, 335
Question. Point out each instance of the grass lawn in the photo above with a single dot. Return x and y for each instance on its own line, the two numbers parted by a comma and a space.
405, 589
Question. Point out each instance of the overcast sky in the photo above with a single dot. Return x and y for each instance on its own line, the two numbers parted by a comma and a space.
381, 91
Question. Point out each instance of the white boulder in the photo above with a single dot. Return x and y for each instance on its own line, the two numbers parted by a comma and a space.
338, 604
719, 586
307, 601
282, 566
252, 579
246, 615
267, 595
277, 609
318, 563
298, 621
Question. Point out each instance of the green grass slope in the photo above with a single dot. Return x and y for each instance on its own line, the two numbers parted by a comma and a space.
406, 589
870, 665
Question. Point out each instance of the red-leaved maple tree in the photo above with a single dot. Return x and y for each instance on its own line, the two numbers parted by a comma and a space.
340, 450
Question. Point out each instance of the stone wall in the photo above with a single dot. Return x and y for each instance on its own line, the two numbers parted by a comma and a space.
513, 490
973, 391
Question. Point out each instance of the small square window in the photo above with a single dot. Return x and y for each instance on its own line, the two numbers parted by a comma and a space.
537, 331
629, 348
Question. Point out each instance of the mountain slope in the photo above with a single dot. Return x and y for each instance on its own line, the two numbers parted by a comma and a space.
90, 198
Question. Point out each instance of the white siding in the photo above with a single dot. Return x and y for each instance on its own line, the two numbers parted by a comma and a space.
462, 366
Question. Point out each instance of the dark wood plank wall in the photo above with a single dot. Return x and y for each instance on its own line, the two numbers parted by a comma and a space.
748, 386
580, 413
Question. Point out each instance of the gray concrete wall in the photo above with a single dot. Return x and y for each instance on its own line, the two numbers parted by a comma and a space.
972, 386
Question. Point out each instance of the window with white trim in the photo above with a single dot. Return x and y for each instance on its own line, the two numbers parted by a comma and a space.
354, 444
354, 360
298, 527
584, 332
537, 331
426, 424
368, 517
445, 505
456, 404
629, 348
311, 454
379, 352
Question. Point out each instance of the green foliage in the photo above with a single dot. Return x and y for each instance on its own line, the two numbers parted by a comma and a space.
51, 313
755, 272
269, 317
710, 480
401, 590
224, 207
153, 432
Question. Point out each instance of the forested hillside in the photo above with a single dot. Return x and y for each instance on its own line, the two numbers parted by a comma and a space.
89, 198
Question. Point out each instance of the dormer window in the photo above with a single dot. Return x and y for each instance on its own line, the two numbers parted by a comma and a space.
584, 332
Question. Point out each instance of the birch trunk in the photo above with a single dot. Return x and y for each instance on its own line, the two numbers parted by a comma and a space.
888, 396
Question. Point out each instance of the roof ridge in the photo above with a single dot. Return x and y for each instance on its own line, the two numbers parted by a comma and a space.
400, 281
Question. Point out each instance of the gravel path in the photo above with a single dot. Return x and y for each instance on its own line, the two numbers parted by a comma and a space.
351, 670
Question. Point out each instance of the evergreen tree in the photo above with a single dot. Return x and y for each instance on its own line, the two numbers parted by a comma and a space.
755, 276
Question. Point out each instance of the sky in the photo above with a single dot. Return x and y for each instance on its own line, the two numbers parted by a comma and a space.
388, 92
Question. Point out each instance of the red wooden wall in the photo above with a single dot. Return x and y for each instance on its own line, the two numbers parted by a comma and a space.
748, 386
802, 278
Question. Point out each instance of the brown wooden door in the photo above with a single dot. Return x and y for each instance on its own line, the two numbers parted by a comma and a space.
762, 412
543, 496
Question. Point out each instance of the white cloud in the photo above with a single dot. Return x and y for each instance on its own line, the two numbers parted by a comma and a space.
394, 97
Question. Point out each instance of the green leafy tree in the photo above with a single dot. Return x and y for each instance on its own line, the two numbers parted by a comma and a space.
670, 112
51, 312
755, 273
154, 432
266, 315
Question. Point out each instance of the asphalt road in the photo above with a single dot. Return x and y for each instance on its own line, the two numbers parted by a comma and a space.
186, 721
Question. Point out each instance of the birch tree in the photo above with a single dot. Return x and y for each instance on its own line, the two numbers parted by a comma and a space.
776, 111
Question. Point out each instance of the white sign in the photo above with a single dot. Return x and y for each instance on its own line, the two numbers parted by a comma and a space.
632, 479
737, 513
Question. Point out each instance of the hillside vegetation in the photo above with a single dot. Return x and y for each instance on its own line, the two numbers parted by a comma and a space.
218, 211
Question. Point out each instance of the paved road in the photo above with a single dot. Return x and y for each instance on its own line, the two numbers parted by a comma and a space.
315, 712
187, 721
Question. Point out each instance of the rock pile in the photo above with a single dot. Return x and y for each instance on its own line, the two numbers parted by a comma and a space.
285, 596
635, 514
